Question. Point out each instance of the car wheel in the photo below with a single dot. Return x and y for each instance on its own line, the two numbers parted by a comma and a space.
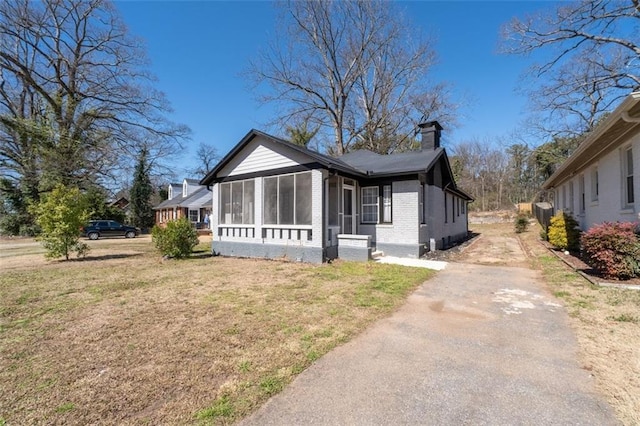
130, 234
93, 235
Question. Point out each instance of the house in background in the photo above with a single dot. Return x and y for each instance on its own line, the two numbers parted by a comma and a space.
274, 199
600, 181
189, 199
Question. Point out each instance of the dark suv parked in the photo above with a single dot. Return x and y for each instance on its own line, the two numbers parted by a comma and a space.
109, 228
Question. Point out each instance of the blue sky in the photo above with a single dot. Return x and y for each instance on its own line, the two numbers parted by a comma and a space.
200, 49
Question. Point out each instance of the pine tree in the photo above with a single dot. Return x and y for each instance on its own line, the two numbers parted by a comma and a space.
142, 214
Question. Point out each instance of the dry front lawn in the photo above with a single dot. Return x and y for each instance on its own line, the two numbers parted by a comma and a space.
125, 337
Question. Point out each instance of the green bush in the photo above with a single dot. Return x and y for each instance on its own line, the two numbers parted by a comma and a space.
613, 249
60, 215
521, 223
176, 240
563, 232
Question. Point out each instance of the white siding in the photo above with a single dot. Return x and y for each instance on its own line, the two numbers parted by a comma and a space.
261, 155
609, 206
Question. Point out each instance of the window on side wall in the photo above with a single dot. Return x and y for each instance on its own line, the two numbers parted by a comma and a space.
582, 195
627, 177
594, 184
421, 203
287, 199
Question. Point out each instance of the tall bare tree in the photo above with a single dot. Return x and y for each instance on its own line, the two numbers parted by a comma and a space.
206, 158
77, 102
591, 58
351, 68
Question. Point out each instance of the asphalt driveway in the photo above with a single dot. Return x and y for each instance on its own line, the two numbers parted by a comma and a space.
476, 345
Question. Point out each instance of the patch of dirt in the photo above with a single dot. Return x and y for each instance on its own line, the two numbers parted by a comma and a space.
489, 243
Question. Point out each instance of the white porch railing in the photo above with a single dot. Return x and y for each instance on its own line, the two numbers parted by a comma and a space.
239, 231
287, 232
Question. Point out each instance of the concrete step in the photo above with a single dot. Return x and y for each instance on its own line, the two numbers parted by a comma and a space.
377, 254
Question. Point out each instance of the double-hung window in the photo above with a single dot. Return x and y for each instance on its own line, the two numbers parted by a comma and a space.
627, 174
287, 199
370, 206
376, 209
237, 202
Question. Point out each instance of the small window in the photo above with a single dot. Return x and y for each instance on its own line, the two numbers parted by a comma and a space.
627, 175
582, 195
193, 215
446, 209
421, 203
594, 184
370, 204
571, 197
386, 203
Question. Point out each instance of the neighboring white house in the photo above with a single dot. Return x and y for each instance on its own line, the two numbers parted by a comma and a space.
188, 199
600, 182
274, 199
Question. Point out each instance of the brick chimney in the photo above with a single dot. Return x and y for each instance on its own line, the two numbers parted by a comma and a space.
430, 132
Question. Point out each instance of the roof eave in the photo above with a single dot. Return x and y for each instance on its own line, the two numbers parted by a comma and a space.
620, 113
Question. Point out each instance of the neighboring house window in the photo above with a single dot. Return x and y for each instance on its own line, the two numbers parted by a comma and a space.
170, 192
287, 199
627, 174
370, 204
237, 202
571, 197
594, 185
185, 189
386, 203
582, 196
193, 215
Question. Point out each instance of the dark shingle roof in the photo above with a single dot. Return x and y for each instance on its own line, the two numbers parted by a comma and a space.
393, 164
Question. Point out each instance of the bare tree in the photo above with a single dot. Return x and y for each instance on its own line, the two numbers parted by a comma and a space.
76, 100
591, 51
351, 68
206, 157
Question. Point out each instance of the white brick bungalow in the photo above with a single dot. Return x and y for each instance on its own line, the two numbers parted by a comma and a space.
600, 182
274, 199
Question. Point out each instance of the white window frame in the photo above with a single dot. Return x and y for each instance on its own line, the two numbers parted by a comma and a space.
595, 184
387, 204
581, 191
363, 215
628, 195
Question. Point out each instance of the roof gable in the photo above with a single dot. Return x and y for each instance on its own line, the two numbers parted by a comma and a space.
247, 156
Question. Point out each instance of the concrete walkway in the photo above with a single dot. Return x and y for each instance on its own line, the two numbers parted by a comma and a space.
476, 345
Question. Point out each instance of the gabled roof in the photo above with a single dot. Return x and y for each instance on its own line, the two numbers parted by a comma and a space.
181, 201
324, 160
615, 130
359, 164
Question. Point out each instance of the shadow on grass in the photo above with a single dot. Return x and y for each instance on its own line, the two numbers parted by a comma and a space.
106, 257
